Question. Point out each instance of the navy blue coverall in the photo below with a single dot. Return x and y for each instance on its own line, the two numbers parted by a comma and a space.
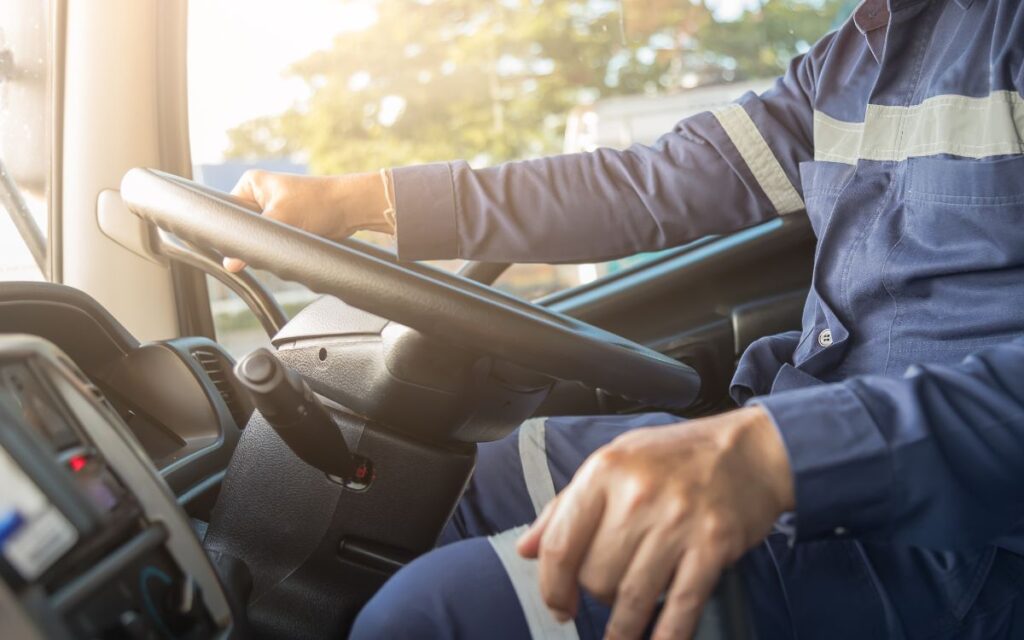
901, 402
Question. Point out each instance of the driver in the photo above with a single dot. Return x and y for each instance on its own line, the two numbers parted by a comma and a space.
871, 484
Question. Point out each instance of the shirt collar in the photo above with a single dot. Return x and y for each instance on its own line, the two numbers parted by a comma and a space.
872, 16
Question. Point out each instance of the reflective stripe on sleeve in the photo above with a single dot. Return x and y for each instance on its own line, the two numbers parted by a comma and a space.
948, 124
525, 581
759, 158
534, 456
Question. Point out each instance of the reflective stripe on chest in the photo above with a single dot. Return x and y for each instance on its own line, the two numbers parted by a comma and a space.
945, 124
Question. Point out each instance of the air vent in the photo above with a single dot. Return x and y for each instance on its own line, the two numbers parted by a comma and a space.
216, 370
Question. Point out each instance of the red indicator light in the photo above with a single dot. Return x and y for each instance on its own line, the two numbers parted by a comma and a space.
77, 462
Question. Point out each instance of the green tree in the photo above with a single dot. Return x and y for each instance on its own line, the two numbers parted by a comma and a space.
762, 42
492, 80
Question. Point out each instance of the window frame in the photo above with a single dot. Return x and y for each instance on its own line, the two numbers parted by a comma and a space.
51, 268
54, 232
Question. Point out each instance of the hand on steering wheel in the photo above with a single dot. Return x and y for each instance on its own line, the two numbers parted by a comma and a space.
333, 207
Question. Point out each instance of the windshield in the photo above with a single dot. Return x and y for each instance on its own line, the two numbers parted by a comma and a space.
356, 85
25, 150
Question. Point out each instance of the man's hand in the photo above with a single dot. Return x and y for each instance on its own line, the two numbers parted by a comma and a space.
333, 207
661, 510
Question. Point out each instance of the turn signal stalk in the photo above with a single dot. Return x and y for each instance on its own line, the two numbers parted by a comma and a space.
289, 405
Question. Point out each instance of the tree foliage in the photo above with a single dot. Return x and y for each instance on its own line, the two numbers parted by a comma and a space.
492, 80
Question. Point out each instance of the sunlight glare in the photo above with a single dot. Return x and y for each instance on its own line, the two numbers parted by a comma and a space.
240, 51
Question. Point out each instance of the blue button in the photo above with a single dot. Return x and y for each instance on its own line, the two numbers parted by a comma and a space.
10, 522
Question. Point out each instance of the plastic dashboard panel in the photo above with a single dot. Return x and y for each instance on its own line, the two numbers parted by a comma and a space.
131, 527
170, 401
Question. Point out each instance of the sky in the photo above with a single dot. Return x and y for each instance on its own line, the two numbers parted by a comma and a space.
239, 52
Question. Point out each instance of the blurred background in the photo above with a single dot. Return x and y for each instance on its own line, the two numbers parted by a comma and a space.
335, 86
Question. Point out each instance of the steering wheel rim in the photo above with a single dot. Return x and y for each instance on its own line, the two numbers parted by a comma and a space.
437, 303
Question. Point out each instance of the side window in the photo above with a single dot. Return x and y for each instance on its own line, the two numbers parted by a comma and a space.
746, 46
26, 113
363, 84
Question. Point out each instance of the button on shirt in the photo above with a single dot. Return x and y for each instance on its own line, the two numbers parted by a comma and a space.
901, 136
825, 338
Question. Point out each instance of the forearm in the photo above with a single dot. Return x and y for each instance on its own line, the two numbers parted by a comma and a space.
714, 173
579, 207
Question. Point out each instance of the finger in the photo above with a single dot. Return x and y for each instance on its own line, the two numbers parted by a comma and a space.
244, 187
612, 548
234, 265
698, 573
627, 519
645, 580
528, 544
564, 544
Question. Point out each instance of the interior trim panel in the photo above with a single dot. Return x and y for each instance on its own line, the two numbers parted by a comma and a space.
178, 396
94, 542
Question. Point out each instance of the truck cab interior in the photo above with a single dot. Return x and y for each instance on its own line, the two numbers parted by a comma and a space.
157, 485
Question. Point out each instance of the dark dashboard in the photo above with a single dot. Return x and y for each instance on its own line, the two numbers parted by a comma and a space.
111, 452
178, 397
93, 544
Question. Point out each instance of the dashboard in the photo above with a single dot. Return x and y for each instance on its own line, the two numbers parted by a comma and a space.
111, 457
92, 541
178, 397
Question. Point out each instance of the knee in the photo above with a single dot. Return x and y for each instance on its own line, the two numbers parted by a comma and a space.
402, 608
373, 621
448, 592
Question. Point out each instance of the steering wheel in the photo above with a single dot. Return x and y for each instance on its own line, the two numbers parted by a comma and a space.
439, 304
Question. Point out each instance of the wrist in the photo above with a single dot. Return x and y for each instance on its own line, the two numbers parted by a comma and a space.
362, 202
764, 449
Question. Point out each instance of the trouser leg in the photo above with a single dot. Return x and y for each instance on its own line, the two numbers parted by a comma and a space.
475, 585
460, 590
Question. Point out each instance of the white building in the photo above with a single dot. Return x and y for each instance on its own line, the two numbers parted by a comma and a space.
621, 121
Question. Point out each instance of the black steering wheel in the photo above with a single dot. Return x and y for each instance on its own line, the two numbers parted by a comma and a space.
438, 304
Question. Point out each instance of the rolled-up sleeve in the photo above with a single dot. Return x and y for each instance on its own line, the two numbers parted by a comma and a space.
714, 173
932, 459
